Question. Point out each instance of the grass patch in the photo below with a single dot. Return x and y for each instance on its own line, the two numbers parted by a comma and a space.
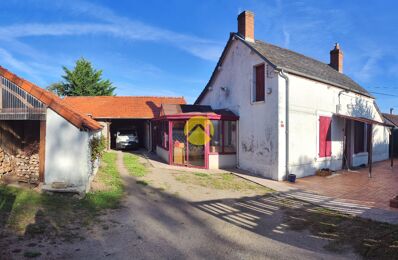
30, 213
368, 238
109, 176
133, 165
219, 181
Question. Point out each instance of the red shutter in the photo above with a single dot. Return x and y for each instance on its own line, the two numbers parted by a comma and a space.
325, 136
260, 84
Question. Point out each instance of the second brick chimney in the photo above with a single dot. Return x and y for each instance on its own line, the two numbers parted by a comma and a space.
336, 58
246, 25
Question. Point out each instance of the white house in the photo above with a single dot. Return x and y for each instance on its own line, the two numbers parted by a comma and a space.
296, 114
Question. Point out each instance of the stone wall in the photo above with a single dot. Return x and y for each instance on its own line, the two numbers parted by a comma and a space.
23, 166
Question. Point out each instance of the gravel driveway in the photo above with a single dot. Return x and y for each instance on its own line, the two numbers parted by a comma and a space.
161, 223
154, 224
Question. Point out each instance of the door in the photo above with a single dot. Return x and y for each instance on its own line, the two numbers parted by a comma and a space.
188, 147
179, 143
196, 137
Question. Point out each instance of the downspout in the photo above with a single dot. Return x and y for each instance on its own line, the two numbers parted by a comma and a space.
238, 144
284, 76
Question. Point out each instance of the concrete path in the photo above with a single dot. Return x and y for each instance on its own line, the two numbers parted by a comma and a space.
156, 225
351, 207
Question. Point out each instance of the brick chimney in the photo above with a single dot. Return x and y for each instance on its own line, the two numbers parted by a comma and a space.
246, 25
336, 58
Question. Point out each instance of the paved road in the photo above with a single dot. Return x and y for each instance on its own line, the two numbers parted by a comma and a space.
155, 225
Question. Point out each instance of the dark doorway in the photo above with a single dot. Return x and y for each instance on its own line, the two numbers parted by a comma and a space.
140, 125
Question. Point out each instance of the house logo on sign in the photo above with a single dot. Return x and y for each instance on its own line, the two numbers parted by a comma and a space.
195, 130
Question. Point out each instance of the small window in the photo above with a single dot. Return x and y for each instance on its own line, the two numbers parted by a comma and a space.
325, 136
359, 137
259, 83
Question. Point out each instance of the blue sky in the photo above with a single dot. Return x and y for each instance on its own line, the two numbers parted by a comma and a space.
170, 48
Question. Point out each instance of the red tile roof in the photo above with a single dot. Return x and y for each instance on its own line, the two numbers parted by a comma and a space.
108, 107
52, 101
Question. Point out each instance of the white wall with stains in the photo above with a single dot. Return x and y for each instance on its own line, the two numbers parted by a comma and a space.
258, 132
310, 99
67, 152
262, 126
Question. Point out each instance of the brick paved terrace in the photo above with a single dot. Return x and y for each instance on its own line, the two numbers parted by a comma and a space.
356, 186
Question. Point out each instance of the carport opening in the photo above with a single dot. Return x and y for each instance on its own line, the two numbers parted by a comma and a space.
130, 125
19, 151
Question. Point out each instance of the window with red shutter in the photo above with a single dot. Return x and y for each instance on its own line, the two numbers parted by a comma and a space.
259, 89
325, 136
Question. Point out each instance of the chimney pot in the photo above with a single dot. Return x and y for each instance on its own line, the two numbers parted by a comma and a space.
336, 58
246, 25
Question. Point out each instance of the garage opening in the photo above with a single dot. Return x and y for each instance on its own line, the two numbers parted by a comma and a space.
22, 135
128, 127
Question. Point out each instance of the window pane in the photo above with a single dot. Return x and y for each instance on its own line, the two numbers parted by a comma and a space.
229, 136
162, 134
165, 135
359, 137
215, 142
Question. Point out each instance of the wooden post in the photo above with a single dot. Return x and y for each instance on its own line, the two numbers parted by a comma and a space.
370, 148
392, 147
108, 135
42, 150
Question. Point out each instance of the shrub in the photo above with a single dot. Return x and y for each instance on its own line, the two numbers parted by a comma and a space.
97, 146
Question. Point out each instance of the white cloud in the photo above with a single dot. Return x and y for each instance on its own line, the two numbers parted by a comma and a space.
10, 61
370, 67
113, 25
286, 35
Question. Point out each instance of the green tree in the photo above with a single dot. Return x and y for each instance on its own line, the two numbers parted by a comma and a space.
83, 80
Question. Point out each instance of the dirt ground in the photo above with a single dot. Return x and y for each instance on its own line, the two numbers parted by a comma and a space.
164, 217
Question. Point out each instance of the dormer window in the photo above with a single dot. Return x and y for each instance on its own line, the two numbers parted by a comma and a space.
259, 83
